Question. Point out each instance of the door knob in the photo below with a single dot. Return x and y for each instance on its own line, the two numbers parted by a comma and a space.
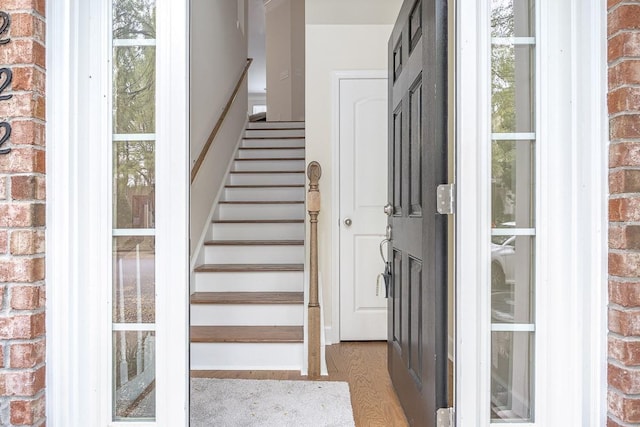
348, 222
388, 209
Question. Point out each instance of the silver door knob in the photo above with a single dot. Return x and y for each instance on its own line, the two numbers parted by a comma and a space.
388, 209
348, 222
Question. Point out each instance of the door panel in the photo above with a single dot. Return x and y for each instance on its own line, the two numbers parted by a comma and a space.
363, 193
417, 165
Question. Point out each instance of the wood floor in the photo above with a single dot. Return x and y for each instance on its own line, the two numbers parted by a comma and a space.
363, 365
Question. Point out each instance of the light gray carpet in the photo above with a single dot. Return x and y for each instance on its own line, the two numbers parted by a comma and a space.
230, 403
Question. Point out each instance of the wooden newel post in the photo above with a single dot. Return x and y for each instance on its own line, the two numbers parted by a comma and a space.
314, 171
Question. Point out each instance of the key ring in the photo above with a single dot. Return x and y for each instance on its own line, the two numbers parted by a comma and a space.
384, 259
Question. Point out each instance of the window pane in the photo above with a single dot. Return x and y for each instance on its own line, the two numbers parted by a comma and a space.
134, 371
134, 19
512, 184
511, 376
134, 279
134, 184
133, 178
512, 88
512, 18
134, 91
512, 281
513, 204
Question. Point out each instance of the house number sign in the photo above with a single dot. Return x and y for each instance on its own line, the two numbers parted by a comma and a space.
6, 77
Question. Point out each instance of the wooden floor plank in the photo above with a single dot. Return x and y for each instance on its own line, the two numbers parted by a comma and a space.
363, 365
247, 334
247, 298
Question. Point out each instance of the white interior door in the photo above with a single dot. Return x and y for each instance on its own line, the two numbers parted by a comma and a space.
363, 194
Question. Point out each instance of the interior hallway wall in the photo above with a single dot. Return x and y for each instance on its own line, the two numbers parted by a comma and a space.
339, 37
285, 46
218, 56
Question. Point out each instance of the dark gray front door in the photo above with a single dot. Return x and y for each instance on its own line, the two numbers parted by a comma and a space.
418, 251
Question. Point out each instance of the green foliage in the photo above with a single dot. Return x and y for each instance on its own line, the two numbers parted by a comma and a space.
134, 98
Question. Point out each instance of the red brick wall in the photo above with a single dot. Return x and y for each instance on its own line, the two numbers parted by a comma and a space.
624, 212
22, 219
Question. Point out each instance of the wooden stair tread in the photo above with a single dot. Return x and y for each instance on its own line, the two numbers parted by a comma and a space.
271, 148
234, 268
266, 172
254, 243
261, 202
272, 137
266, 186
247, 298
270, 128
270, 159
247, 334
258, 221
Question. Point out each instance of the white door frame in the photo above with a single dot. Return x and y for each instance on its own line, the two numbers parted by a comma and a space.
333, 333
79, 230
571, 214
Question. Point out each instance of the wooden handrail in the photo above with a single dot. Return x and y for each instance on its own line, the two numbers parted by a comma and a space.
216, 128
314, 172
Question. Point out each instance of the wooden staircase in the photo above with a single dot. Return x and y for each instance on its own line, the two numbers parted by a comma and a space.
247, 310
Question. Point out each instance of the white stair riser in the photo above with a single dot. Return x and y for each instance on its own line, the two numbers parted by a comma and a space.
254, 281
242, 212
274, 125
254, 254
247, 231
259, 143
270, 154
266, 179
246, 356
273, 133
247, 315
268, 165
264, 194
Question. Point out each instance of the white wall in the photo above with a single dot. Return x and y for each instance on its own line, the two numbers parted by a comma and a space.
257, 49
218, 56
285, 21
330, 47
297, 60
278, 60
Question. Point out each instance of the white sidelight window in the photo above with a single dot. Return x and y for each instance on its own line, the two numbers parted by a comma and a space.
513, 206
531, 181
118, 232
133, 282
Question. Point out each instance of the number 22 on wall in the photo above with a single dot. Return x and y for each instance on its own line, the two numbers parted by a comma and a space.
6, 77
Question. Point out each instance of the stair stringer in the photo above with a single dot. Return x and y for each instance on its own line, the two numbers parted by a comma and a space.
198, 254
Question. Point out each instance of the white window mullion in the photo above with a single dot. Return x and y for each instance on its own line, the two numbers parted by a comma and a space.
134, 42
172, 206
